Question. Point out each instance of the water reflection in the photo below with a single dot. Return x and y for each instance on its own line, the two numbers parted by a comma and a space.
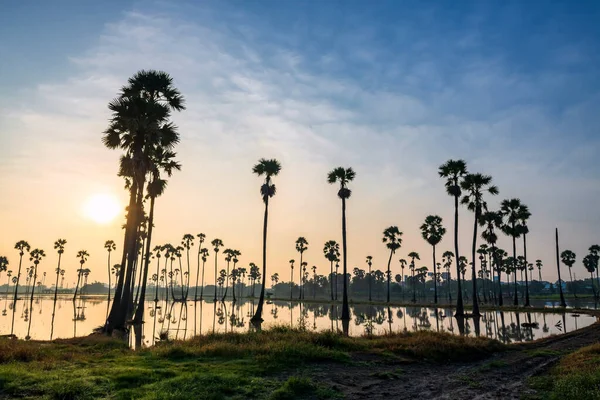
166, 318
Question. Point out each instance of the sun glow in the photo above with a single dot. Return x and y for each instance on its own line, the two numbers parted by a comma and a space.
102, 208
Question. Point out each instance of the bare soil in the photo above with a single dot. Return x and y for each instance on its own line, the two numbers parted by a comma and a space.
502, 376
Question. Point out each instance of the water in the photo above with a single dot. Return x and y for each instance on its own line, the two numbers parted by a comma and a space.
184, 320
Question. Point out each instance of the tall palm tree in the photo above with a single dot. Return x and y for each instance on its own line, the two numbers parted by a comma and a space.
83, 256
332, 253
413, 256
201, 239
568, 258
110, 246
23, 247
314, 270
595, 252
216, 243
369, 277
590, 262
510, 210
268, 168
292, 261
59, 246
36, 256
403, 264
140, 125
343, 176
392, 237
433, 232
453, 171
475, 185
539, 265
301, 247
157, 255
187, 242
204, 256
524, 216
491, 221
228, 253
447, 258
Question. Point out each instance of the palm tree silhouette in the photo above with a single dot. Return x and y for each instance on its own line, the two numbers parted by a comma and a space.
568, 258
403, 264
595, 252
343, 176
216, 243
524, 215
453, 171
269, 168
490, 221
332, 252
140, 125
59, 246
539, 265
228, 257
36, 256
110, 246
589, 262
369, 277
83, 256
510, 210
392, 237
447, 258
23, 247
433, 232
203, 255
3, 266
314, 270
187, 242
301, 247
292, 261
475, 185
413, 256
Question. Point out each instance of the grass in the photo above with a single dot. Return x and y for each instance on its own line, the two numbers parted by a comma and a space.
577, 376
273, 364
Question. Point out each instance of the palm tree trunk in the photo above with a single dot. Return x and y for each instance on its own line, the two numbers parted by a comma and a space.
15, 297
473, 273
527, 304
257, 318
109, 283
300, 278
460, 310
572, 285
226, 282
370, 278
31, 301
435, 297
345, 308
56, 296
216, 267
389, 275
514, 240
331, 280
202, 289
562, 296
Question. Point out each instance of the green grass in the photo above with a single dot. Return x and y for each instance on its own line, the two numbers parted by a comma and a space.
577, 376
254, 365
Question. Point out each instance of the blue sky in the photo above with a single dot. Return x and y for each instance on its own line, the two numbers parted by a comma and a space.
392, 88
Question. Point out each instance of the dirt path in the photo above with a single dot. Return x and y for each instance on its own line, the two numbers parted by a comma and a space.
503, 376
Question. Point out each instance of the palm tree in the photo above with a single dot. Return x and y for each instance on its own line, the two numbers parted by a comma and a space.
314, 270
187, 242
23, 247
216, 243
403, 264
453, 171
539, 265
590, 262
254, 275
447, 258
83, 256
236, 254
595, 252
475, 185
303, 277
568, 258
203, 255
343, 176
110, 246
157, 250
490, 221
393, 241
332, 253
228, 257
433, 232
413, 256
510, 210
59, 246
292, 261
140, 125
369, 263
36, 256
3, 264
524, 215
301, 247
269, 168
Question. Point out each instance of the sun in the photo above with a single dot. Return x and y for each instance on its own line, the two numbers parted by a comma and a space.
102, 208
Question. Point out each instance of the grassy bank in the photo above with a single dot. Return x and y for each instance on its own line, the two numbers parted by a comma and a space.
577, 376
270, 364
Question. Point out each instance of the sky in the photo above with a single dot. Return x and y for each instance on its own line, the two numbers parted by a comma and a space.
390, 88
